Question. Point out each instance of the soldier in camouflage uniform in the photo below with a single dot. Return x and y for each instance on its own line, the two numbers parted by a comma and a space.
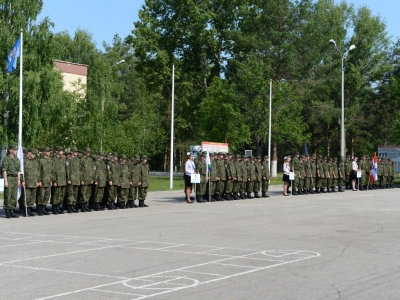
31, 181
245, 178
201, 168
144, 181
87, 168
313, 168
341, 180
220, 184
307, 174
335, 175
265, 176
59, 181
12, 175
46, 178
124, 183
230, 177
297, 175
100, 181
112, 179
213, 178
251, 177
348, 173
135, 177
258, 177
73, 180
239, 180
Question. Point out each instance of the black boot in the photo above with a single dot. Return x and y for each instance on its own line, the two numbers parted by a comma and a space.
96, 207
134, 205
122, 205
110, 206
54, 209
249, 196
256, 195
311, 191
8, 215
30, 212
87, 208
130, 202
12, 214
39, 210
69, 209
60, 209
82, 207
45, 211
235, 197
74, 208
141, 203
264, 195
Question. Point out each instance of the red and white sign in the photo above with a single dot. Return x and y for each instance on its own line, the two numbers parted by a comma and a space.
214, 147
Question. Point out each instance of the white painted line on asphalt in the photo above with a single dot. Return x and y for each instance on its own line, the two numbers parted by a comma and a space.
239, 266
120, 293
179, 245
203, 273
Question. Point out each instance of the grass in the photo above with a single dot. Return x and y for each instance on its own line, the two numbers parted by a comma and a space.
161, 183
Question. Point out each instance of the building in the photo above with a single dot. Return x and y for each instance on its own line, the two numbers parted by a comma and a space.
74, 76
392, 152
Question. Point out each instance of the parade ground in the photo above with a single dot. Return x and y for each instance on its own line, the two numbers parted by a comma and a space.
322, 246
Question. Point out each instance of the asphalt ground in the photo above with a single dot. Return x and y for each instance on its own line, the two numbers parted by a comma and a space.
323, 246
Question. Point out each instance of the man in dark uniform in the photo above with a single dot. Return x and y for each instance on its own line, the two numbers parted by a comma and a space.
12, 175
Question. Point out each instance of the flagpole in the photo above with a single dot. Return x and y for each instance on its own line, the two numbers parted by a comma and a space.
171, 159
20, 109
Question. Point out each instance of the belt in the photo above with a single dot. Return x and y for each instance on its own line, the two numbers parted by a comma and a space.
12, 175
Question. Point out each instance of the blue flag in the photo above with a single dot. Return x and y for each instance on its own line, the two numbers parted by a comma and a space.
12, 57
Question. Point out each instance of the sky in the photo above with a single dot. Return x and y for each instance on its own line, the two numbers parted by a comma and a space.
103, 20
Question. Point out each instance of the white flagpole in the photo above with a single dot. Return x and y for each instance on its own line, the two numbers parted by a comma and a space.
171, 159
20, 112
270, 123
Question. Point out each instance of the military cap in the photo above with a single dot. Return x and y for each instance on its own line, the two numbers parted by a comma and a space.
32, 150
115, 154
74, 149
225, 156
203, 155
266, 156
137, 157
46, 149
94, 157
229, 153
13, 147
67, 152
307, 155
220, 153
25, 150
122, 156
258, 156
297, 153
59, 148
212, 154
238, 156
144, 157
87, 149
101, 153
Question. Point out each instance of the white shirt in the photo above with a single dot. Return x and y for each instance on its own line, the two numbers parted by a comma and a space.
189, 167
354, 166
286, 168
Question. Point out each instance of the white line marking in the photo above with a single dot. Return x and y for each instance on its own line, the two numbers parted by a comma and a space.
235, 265
107, 291
202, 273
179, 245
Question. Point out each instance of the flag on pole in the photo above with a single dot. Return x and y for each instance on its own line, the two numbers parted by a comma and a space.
20, 155
12, 57
208, 162
374, 170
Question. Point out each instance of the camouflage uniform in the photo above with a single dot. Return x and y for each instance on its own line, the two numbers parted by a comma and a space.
144, 180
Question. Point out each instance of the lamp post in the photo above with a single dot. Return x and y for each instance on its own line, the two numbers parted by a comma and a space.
342, 137
102, 108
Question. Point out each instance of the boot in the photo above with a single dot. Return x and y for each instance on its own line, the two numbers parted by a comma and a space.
294, 193
60, 209
300, 192
86, 206
109, 205
242, 196
45, 211
256, 195
22, 211
69, 209
305, 192
82, 207
115, 205
122, 205
54, 209
8, 215
96, 207
74, 208
334, 190
130, 202
141, 204
134, 205
227, 197
12, 214
329, 190
30, 212
235, 197
264, 195
249, 196
311, 191
341, 189
39, 210
317, 190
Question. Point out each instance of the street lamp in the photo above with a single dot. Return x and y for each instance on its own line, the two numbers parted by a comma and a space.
342, 137
102, 107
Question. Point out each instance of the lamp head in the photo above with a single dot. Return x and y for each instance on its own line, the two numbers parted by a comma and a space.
332, 42
352, 47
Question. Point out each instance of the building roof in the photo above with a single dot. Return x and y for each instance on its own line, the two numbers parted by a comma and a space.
72, 68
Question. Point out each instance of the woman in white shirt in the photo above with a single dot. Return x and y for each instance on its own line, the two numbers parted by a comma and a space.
286, 172
189, 170
354, 170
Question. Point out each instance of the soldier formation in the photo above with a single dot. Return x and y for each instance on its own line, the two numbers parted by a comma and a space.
232, 177
322, 174
72, 181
